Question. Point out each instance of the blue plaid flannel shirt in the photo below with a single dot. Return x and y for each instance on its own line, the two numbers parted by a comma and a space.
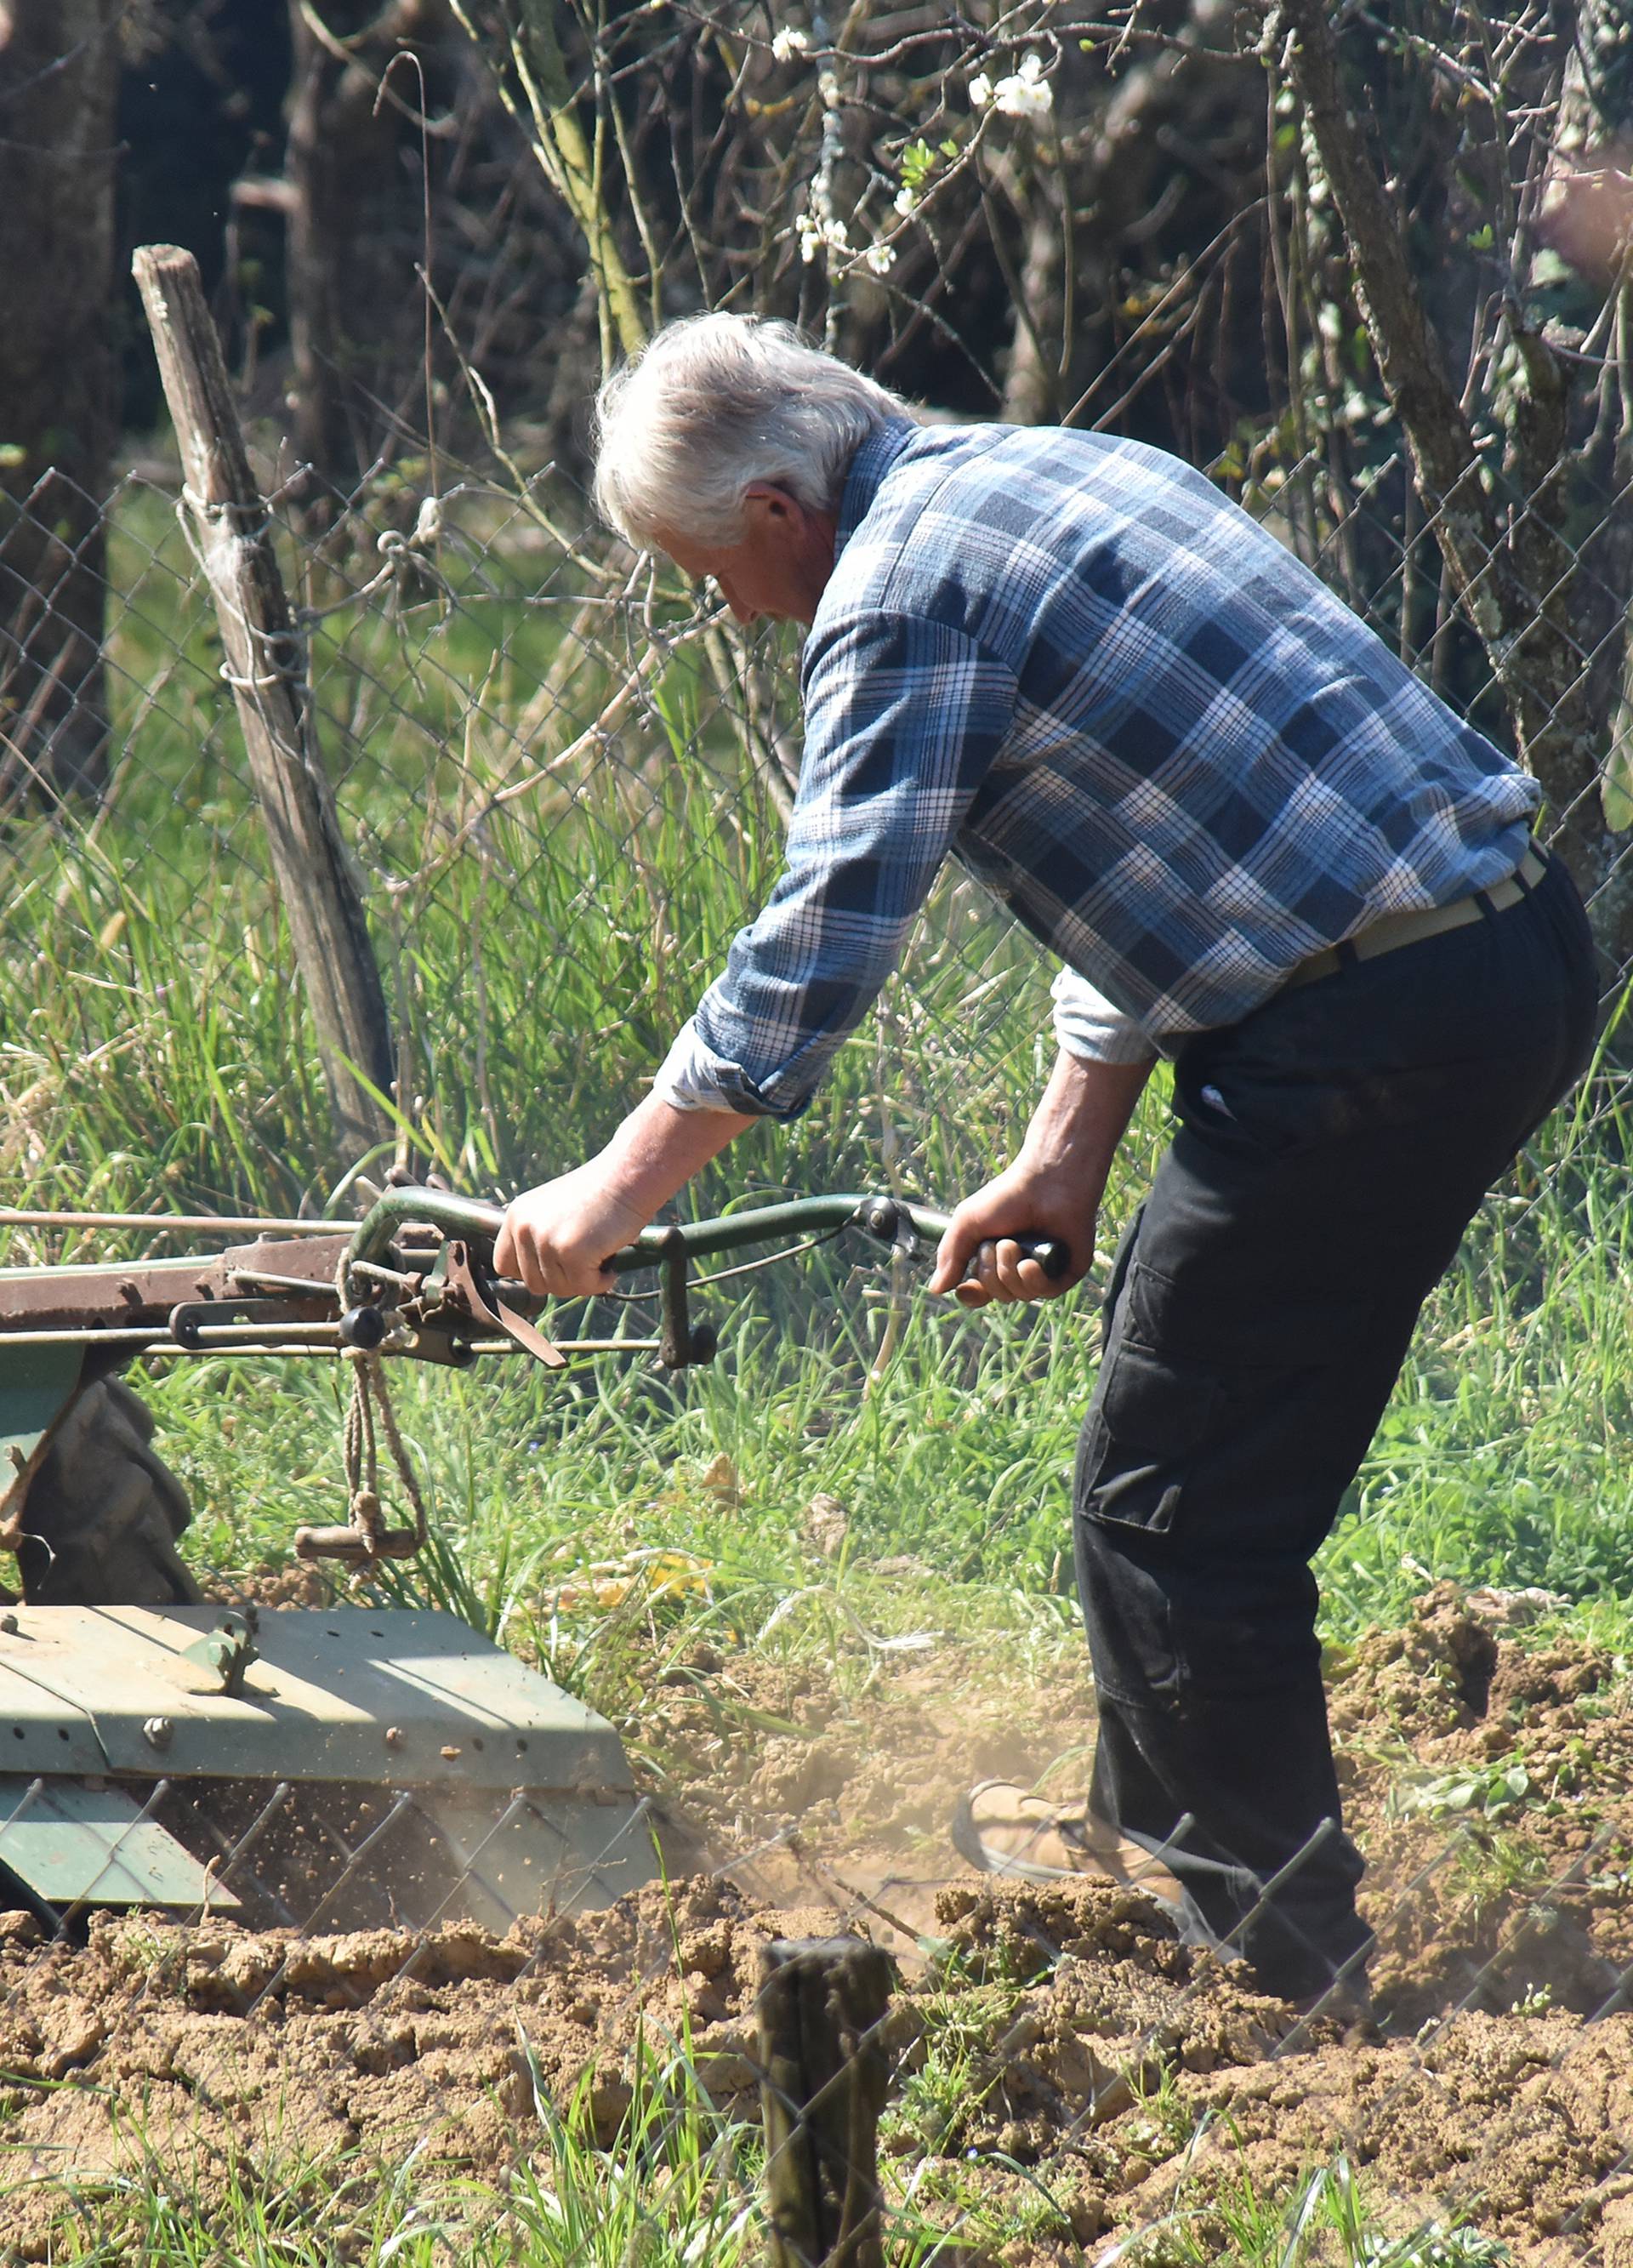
1162, 742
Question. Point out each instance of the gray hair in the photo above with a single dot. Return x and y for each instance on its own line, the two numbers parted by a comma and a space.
715, 403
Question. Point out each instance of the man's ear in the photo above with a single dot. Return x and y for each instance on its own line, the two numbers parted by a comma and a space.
763, 501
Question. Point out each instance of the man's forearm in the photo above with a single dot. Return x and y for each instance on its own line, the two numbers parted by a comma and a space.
558, 1238
1052, 1189
657, 1149
1081, 1117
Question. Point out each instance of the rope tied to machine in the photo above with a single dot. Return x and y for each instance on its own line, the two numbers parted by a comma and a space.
367, 1540
370, 1401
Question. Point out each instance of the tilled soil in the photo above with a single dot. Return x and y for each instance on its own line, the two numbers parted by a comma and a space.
1062, 2067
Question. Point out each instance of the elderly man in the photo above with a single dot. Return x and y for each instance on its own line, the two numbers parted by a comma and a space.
1258, 847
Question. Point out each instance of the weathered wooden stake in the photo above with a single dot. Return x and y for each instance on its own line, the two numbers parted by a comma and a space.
264, 666
824, 2079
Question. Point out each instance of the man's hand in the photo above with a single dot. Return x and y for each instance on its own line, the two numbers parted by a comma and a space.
979, 1259
558, 1238
1052, 1189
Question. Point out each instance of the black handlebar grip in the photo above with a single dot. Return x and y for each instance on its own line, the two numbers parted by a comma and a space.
882, 1217
1053, 1254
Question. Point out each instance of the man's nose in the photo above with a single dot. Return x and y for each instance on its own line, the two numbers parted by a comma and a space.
740, 608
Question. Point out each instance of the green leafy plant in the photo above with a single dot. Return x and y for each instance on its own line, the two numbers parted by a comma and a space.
1494, 1791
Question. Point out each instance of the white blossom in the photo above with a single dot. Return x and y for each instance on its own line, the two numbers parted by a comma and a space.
882, 258
788, 43
981, 91
906, 202
1026, 93
814, 233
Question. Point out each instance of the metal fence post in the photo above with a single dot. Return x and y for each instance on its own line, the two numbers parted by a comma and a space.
265, 668
823, 2082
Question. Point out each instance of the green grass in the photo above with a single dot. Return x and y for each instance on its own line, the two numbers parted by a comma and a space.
1329, 2218
675, 2187
678, 2185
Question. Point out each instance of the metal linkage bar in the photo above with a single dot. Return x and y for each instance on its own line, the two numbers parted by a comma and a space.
173, 1224
470, 1216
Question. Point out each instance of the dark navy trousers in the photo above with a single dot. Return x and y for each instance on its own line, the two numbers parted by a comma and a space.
1330, 1150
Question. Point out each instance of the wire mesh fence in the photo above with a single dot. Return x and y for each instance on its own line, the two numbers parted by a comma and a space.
560, 779
531, 736
563, 784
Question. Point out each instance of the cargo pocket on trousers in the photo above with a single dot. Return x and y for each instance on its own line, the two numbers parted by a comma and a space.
1151, 1416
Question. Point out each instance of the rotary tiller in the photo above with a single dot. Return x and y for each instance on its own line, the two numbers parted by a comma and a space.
327, 1768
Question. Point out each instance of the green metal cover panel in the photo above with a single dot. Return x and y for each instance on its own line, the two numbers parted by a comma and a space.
37, 1383
71, 1843
406, 1697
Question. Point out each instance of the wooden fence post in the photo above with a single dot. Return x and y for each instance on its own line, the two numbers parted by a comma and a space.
265, 668
823, 2081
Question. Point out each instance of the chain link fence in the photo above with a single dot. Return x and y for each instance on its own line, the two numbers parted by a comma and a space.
562, 779
562, 783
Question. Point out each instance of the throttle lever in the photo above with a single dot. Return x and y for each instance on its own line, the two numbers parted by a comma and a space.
484, 1296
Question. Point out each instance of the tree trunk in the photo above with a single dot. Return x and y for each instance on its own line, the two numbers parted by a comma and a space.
1516, 573
59, 62
1179, 132
352, 222
1031, 386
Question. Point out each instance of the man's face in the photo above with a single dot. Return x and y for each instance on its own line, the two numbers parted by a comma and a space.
778, 567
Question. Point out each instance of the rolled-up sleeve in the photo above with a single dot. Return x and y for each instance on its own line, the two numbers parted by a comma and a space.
903, 718
1088, 1027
